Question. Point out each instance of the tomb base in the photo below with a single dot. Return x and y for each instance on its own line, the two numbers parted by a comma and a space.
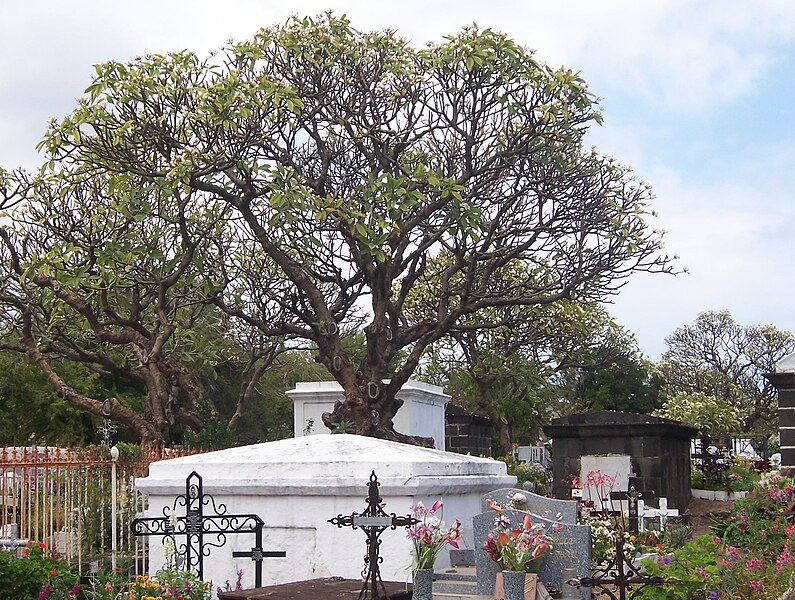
317, 589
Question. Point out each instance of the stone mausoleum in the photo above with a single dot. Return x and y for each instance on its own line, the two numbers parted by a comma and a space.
784, 381
654, 450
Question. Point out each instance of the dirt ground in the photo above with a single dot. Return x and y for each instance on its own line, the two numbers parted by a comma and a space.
697, 513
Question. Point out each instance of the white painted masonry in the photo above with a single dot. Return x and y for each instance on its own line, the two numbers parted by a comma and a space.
422, 412
296, 485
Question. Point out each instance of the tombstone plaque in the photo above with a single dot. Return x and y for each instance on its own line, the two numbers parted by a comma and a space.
571, 549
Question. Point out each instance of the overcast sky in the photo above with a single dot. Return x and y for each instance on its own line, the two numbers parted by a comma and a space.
696, 96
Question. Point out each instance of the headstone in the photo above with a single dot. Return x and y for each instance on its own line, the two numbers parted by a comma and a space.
549, 508
571, 549
616, 466
422, 412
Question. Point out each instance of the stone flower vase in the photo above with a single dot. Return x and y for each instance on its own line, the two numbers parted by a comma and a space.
513, 584
423, 584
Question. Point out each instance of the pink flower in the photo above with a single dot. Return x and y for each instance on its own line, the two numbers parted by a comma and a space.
785, 558
755, 564
755, 585
716, 540
701, 573
733, 552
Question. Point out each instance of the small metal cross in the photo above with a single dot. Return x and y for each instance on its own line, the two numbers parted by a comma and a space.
106, 430
256, 554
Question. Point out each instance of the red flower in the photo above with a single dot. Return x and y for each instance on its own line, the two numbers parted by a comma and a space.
492, 550
53, 572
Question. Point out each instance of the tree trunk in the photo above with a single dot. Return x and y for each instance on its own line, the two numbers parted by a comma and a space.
372, 417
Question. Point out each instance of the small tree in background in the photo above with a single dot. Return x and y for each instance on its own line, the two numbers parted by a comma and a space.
719, 358
708, 414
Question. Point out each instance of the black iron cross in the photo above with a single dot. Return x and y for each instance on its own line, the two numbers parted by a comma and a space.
195, 525
620, 579
373, 521
256, 554
632, 496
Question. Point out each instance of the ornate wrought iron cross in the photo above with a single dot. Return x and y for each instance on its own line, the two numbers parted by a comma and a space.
107, 430
195, 525
373, 521
620, 579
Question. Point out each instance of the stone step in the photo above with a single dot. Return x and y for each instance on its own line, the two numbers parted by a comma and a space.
456, 574
446, 596
455, 587
456, 581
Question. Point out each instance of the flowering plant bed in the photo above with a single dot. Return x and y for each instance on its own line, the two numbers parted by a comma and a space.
748, 554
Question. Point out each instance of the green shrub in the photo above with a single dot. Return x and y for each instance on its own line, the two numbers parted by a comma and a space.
37, 574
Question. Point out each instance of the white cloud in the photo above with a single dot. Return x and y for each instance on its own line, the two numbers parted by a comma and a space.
653, 60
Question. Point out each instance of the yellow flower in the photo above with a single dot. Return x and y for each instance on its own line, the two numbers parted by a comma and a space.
781, 510
632, 538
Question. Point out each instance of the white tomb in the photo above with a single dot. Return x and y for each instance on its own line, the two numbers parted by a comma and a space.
422, 412
297, 485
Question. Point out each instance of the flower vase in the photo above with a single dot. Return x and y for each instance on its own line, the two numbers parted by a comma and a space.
534, 566
513, 584
423, 585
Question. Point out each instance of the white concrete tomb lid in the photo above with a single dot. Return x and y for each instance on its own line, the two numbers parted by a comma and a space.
327, 465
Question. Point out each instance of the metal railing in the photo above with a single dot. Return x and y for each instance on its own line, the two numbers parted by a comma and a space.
75, 501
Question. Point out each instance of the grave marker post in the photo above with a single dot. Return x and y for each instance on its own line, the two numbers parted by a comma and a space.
632, 496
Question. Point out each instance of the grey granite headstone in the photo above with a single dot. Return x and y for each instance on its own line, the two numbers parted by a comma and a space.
545, 507
571, 549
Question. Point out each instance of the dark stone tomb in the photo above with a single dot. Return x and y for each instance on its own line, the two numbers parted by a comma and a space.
659, 450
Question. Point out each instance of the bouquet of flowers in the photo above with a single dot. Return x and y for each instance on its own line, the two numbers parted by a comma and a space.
430, 534
518, 548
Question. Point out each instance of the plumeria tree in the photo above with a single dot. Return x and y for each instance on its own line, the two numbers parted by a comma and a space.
718, 357
345, 161
709, 414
